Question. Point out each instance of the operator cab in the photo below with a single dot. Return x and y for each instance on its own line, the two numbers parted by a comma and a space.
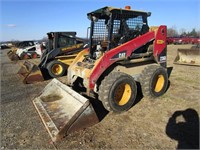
61, 39
111, 27
60, 43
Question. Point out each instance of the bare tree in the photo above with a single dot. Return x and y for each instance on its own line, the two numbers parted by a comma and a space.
198, 33
172, 32
193, 33
182, 32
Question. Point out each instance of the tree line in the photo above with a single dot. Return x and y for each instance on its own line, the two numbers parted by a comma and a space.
173, 32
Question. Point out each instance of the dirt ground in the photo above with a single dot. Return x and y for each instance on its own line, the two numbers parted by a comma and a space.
169, 122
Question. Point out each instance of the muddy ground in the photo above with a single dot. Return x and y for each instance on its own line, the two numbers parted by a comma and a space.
169, 122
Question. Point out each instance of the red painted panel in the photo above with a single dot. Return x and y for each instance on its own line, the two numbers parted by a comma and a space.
107, 60
160, 41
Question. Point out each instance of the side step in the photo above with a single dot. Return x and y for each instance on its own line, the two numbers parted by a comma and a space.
63, 111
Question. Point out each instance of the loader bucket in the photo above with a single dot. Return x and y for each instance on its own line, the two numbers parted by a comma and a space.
188, 57
9, 52
30, 73
12, 56
63, 111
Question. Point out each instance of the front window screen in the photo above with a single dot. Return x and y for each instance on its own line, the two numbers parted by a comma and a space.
65, 41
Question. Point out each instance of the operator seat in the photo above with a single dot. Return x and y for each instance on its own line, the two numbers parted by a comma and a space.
128, 33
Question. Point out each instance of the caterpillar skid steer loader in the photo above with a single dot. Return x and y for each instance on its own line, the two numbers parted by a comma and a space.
188, 56
62, 49
122, 50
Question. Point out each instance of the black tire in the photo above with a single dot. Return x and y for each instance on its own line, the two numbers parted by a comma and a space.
154, 81
53, 66
34, 55
117, 92
24, 56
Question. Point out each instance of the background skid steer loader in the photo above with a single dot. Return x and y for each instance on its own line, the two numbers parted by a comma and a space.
122, 50
62, 49
188, 56
30, 52
21, 45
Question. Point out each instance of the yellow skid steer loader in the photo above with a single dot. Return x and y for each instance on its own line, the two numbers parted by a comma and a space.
62, 49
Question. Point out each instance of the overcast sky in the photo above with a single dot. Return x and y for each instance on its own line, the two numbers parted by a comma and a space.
32, 19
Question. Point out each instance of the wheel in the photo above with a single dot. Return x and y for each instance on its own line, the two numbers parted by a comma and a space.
34, 55
56, 68
24, 56
117, 92
154, 81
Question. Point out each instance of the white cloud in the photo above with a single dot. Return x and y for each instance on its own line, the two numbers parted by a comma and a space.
11, 25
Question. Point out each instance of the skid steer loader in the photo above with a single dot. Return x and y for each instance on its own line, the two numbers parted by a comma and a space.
20, 45
188, 56
62, 49
122, 50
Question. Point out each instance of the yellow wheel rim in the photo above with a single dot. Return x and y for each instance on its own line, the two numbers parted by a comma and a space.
160, 83
57, 69
122, 94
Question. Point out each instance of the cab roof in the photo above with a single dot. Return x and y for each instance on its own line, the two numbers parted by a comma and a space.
105, 11
73, 33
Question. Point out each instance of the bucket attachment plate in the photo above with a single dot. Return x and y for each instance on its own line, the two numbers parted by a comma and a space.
30, 72
62, 110
188, 57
